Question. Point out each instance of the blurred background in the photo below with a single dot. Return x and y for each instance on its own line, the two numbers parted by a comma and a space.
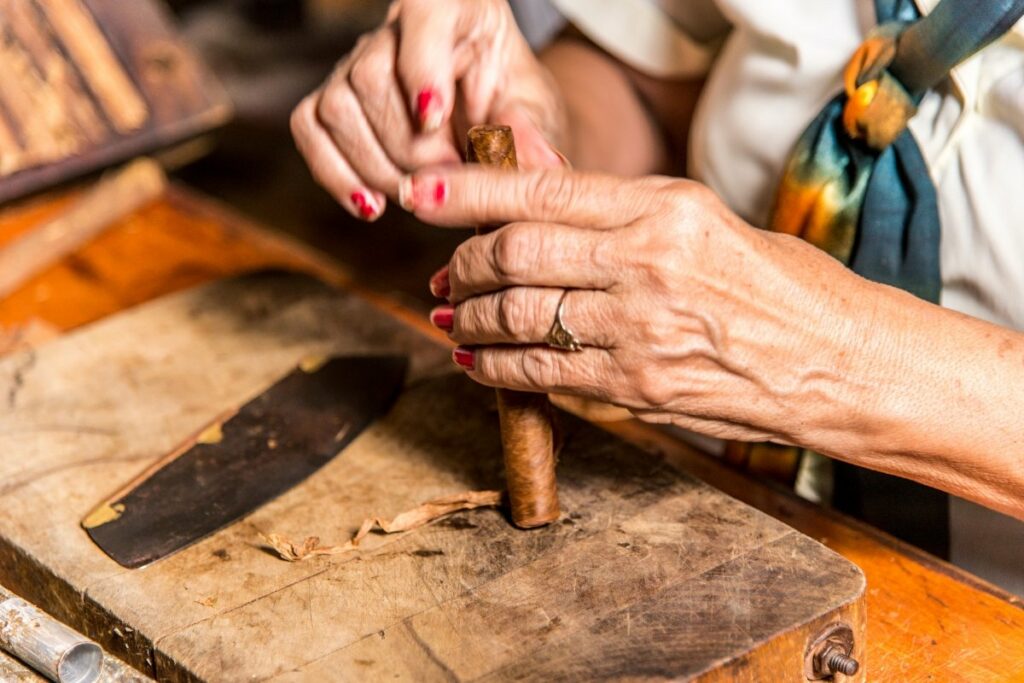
269, 54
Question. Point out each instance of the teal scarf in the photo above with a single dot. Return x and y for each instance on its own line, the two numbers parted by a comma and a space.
857, 186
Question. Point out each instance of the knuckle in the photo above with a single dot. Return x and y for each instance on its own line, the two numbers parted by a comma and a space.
373, 69
512, 253
460, 271
467, 320
553, 191
302, 116
689, 203
652, 388
335, 105
541, 369
513, 313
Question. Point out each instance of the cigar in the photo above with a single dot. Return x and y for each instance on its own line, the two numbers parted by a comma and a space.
527, 419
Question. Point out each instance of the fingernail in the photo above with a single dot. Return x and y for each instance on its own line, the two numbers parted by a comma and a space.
366, 205
440, 192
464, 357
439, 284
443, 317
429, 110
561, 158
405, 193
422, 192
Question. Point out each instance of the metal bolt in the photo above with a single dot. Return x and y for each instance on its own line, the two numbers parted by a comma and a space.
830, 653
839, 662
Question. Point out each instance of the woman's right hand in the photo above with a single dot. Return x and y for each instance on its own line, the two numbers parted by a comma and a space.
405, 96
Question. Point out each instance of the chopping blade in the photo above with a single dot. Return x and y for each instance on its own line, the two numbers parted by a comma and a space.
245, 459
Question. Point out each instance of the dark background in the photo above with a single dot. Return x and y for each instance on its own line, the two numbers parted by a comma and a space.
269, 54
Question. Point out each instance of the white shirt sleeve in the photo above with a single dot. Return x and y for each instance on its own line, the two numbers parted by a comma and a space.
644, 34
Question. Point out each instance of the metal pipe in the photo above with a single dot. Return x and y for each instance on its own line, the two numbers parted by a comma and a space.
48, 646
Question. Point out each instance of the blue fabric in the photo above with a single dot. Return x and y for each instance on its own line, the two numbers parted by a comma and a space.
880, 206
885, 221
897, 241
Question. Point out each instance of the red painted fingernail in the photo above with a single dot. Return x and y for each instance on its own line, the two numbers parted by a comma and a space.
443, 317
439, 284
419, 193
365, 204
440, 192
429, 110
464, 357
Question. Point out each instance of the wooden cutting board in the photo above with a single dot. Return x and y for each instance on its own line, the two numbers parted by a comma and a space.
650, 573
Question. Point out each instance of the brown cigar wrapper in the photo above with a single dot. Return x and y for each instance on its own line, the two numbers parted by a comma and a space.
527, 419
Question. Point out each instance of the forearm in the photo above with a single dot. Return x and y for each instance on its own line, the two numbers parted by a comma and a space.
933, 395
618, 120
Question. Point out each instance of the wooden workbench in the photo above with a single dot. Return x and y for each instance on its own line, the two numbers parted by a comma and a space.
927, 620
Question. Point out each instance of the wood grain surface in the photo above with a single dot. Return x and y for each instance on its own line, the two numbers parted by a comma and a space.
648, 550
928, 621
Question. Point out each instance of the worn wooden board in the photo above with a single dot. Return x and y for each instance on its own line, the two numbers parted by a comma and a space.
88, 83
649, 574
13, 671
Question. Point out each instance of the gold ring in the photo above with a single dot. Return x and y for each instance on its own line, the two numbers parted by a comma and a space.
559, 336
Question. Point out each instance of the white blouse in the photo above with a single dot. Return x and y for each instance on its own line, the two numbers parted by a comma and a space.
770, 67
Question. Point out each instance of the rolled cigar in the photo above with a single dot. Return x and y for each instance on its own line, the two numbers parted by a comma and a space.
527, 428
48, 646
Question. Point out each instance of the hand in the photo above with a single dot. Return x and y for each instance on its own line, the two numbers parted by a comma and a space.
404, 97
687, 314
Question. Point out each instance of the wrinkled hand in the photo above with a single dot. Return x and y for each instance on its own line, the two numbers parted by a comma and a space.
404, 97
687, 314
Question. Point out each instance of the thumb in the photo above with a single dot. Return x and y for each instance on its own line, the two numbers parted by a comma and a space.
532, 147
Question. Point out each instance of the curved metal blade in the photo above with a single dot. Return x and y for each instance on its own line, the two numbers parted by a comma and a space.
238, 463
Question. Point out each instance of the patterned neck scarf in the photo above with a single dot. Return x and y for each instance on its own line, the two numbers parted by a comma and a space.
856, 184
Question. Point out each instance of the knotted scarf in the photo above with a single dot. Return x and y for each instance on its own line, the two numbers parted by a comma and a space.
857, 186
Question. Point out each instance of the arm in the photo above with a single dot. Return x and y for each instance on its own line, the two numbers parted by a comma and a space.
619, 119
933, 395
403, 98
688, 315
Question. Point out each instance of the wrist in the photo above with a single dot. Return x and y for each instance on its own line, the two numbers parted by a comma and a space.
866, 353
847, 347
930, 394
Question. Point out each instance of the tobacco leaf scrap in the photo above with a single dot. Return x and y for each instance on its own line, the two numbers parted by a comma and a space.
406, 521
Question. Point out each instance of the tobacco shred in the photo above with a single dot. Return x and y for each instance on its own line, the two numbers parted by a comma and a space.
406, 521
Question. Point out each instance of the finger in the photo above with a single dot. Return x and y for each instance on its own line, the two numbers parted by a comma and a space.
533, 149
329, 167
589, 372
374, 81
475, 196
525, 315
341, 114
533, 254
426, 59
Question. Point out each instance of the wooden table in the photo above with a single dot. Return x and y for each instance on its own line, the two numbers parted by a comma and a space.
927, 619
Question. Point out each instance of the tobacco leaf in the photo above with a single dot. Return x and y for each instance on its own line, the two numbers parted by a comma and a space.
406, 521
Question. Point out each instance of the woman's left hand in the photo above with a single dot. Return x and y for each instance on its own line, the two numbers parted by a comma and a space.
686, 313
